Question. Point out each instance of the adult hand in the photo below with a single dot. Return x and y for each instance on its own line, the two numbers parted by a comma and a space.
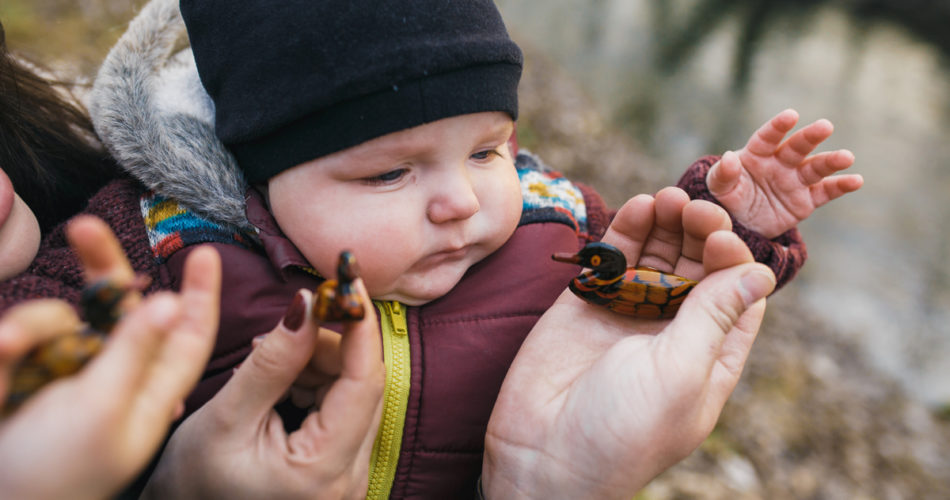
235, 446
86, 436
772, 183
596, 403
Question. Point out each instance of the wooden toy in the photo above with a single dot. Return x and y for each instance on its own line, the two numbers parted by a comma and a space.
338, 300
642, 292
66, 354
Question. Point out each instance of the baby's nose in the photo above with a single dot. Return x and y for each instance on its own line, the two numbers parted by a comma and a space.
454, 199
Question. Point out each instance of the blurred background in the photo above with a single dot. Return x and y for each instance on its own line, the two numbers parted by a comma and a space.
847, 393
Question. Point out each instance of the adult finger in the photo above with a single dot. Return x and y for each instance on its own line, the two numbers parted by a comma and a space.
133, 344
33, 322
632, 226
700, 219
351, 404
665, 243
101, 254
25, 326
712, 310
271, 368
181, 358
724, 249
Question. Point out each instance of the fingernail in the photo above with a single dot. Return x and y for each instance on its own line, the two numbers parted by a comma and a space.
293, 318
756, 284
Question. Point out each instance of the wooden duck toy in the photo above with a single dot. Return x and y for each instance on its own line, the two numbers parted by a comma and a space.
641, 292
66, 354
338, 300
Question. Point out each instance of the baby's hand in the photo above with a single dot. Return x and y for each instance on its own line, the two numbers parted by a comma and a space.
597, 403
771, 185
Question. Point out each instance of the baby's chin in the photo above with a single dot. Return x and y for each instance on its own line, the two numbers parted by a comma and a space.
420, 292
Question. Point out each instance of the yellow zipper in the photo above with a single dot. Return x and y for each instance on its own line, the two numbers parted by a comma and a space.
382, 465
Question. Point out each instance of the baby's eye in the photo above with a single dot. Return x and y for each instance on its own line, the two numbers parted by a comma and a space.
485, 155
387, 178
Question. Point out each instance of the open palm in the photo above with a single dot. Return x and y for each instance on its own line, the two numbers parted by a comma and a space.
596, 403
773, 183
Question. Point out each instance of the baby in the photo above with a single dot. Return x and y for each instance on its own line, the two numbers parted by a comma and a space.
387, 130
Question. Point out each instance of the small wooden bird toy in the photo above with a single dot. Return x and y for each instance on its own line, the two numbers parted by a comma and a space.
66, 354
338, 300
642, 292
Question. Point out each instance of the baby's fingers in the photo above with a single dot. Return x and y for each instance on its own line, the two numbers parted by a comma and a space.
766, 140
794, 151
822, 165
835, 187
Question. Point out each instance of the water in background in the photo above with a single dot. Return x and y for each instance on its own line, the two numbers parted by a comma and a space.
878, 267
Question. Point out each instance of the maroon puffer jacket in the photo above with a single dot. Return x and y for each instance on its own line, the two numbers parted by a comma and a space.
461, 345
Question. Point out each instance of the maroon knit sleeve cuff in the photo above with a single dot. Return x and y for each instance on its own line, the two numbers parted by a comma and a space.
598, 216
785, 254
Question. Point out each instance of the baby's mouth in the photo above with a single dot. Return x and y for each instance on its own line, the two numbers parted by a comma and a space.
450, 254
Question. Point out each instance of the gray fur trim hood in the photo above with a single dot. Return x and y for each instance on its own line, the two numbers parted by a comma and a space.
150, 110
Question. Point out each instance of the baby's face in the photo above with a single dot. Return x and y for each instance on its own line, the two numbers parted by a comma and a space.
417, 207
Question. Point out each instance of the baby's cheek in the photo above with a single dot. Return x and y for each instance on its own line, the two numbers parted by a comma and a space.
508, 206
383, 253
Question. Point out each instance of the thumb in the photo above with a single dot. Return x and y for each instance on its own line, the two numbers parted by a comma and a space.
723, 303
274, 364
724, 175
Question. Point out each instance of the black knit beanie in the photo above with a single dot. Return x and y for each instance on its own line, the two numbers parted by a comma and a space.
294, 80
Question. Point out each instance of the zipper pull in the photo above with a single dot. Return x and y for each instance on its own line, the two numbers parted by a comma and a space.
398, 318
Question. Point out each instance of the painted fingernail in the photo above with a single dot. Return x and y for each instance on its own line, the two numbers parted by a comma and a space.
293, 318
755, 285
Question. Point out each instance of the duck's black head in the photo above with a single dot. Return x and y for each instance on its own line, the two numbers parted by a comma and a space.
605, 260
347, 270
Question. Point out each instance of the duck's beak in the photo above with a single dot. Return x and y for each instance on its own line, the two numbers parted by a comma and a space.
568, 258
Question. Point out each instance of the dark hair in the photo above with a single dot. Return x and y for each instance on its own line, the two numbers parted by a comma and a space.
48, 146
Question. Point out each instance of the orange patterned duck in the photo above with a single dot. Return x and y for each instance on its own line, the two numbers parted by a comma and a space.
66, 354
641, 292
338, 300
